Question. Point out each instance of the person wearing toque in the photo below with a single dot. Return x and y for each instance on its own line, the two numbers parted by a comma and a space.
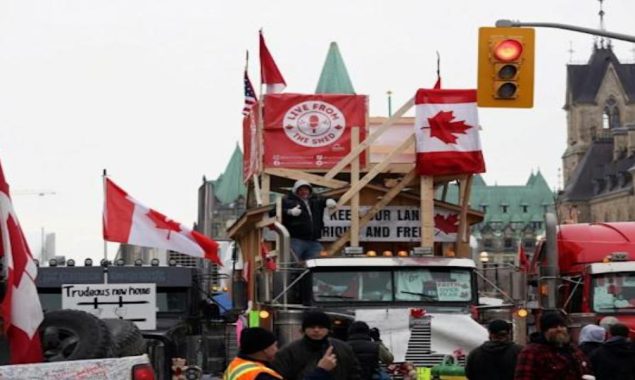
496, 358
301, 356
258, 348
551, 355
303, 216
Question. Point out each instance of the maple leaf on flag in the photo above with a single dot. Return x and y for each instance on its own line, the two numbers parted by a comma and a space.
448, 225
443, 128
161, 221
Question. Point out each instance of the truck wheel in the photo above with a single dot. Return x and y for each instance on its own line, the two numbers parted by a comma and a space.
126, 336
74, 335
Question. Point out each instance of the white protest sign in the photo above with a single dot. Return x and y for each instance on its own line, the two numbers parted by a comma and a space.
392, 223
132, 302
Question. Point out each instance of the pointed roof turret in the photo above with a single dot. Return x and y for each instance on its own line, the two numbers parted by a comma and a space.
229, 185
334, 78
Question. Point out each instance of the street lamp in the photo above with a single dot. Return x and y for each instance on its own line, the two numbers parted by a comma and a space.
483, 257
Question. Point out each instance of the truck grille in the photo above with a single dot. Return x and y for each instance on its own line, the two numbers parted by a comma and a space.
419, 346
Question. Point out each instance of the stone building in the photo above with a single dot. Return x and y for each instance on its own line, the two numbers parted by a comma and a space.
599, 161
513, 215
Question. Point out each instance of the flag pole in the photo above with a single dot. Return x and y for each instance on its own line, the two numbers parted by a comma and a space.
104, 174
261, 138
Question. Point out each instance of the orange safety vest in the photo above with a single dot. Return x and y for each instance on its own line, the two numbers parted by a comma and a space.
241, 369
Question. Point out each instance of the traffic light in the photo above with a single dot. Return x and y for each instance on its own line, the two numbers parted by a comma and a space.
506, 67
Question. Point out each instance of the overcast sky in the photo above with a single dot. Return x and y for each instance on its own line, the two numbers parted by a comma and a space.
151, 90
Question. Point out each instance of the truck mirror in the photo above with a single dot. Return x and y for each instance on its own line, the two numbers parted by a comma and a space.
239, 294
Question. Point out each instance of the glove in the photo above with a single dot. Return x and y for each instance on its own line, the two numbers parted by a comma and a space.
296, 211
374, 334
330, 203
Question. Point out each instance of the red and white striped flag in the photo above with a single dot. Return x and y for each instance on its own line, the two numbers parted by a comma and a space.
446, 131
269, 73
128, 221
21, 309
250, 95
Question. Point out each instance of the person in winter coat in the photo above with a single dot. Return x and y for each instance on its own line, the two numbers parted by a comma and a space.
303, 216
257, 348
301, 356
591, 337
369, 351
551, 356
615, 359
496, 358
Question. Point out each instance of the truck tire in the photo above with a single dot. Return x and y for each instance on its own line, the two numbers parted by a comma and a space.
74, 335
126, 337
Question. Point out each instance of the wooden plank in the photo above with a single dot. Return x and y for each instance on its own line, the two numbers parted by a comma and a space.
369, 140
311, 178
385, 200
265, 188
355, 200
375, 171
256, 179
427, 211
464, 201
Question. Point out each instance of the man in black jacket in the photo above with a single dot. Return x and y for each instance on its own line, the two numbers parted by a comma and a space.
303, 216
615, 359
496, 358
369, 351
301, 356
258, 347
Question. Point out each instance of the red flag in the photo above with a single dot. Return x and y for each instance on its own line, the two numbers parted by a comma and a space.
523, 262
446, 129
128, 221
21, 309
269, 73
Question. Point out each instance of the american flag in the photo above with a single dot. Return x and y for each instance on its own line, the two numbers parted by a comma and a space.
250, 95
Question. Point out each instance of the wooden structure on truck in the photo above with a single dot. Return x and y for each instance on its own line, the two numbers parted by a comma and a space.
377, 173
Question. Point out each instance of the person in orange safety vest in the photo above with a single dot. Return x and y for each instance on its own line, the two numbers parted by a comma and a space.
258, 347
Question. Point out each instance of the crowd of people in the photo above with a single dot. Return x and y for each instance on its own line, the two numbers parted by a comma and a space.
315, 356
603, 353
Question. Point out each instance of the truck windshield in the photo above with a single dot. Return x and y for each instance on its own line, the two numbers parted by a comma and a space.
614, 292
436, 285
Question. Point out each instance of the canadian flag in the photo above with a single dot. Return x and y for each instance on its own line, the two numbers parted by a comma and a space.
269, 73
523, 261
128, 221
446, 131
21, 309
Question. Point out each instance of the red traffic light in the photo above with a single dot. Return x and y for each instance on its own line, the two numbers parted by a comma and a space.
508, 50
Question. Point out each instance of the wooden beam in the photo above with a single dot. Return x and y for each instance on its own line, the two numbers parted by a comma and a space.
265, 222
355, 200
376, 170
311, 178
426, 184
265, 188
369, 140
385, 200
464, 201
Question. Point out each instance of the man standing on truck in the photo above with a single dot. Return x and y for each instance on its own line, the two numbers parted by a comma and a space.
550, 355
303, 216
301, 356
258, 347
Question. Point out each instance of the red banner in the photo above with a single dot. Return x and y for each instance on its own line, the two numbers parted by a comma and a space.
251, 155
311, 131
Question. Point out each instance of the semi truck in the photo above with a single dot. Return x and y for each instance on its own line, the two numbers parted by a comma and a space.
586, 270
394, 255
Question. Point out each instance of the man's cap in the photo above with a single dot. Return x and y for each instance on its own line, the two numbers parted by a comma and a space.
359, 327
316, 318
254, 339
301, 183
498, 326
551, 320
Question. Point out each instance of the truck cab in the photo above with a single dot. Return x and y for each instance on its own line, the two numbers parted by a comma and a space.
596, 272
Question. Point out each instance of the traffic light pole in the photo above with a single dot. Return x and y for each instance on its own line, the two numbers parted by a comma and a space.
595, 32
